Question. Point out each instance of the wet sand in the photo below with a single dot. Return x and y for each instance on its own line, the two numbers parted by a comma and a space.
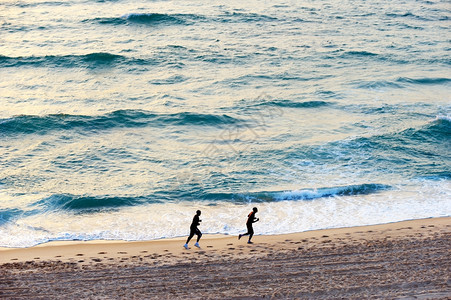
404, 260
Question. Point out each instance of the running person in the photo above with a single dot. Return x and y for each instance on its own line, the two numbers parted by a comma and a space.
250, 220
194, 230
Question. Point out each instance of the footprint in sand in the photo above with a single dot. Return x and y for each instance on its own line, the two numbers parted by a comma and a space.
122, 252
209, 246
143, 251
102, 252
230, 244
79, 254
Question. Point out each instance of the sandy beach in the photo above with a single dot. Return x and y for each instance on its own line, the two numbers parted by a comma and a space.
404, 260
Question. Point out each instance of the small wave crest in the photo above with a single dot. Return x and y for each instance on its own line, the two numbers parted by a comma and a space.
147, 19
351, 190
88, 204
443, 119
294, 104
90, 60
302, 194
155, 18
29, 124
424, 81
403, 82
232, 17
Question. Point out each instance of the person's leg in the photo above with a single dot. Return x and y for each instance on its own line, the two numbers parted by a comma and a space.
199, 234
191, 234
251, 233
249, 229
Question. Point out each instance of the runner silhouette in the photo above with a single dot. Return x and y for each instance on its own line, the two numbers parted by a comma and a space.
194, 230
250, 220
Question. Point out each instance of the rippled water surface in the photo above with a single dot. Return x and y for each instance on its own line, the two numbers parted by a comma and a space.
119, 119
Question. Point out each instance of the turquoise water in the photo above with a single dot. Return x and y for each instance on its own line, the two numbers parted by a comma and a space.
119, 119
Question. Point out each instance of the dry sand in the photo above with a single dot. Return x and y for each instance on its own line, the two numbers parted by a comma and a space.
405, 260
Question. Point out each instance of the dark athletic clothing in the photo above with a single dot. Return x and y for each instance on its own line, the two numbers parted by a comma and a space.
250, 220
196, 222
250, 230
194, 230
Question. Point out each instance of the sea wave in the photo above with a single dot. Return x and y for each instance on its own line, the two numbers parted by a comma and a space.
295, 104
92, 204
181, 19
88, 204
157, 18
148, 19
424, 149
424, 81
29, 124
301, 194
402, 82
232, 17
90, 60
350, 190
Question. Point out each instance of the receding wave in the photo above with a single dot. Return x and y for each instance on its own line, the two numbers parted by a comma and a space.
7, 215
90, 60
28, 124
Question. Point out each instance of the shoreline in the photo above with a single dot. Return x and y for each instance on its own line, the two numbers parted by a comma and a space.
46, 250
407, 259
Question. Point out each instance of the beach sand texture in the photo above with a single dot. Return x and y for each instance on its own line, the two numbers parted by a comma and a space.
404, 260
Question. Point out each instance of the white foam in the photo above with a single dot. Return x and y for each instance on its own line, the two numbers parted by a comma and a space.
154, 221
444, 118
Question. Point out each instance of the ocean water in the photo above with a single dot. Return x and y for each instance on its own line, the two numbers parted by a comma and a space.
119, 119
